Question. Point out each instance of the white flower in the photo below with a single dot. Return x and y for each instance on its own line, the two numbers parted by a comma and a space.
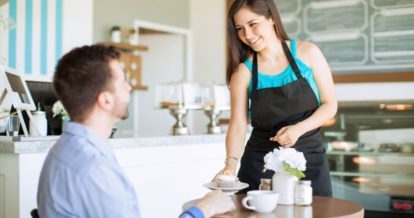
59, 110
286, 159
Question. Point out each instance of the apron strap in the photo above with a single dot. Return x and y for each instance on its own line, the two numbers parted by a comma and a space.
254, 72
291, 60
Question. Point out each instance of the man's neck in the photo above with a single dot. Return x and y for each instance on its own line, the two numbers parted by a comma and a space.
101, 126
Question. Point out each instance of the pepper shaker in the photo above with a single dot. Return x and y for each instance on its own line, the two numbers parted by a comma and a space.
265, 184
303, 192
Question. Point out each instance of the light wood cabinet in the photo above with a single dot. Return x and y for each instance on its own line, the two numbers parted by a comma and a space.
131, 62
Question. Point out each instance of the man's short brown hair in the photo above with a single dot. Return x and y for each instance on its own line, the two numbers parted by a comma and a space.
81, 75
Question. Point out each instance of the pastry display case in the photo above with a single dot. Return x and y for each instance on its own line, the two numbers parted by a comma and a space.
370, 149
180, 97
217, 100
189, 95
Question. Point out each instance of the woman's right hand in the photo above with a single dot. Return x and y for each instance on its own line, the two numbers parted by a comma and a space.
225, 171
229, 169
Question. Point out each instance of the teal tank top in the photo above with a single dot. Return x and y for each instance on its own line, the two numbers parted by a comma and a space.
286, 76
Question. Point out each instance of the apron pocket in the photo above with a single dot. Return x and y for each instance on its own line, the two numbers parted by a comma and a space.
314, 160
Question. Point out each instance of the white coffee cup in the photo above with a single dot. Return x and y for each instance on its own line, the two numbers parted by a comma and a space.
261, 201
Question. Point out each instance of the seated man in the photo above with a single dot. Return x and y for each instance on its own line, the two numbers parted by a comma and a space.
80, 176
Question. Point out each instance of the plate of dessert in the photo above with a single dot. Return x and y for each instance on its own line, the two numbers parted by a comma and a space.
226, 183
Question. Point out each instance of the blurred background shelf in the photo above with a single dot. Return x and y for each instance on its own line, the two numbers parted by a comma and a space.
127, 47
370, 150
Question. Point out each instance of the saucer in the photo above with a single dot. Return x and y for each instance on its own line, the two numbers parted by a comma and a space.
239, 186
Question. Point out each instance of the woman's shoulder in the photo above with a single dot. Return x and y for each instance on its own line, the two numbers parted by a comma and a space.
242, 74
308, 51
243, 68
306, 47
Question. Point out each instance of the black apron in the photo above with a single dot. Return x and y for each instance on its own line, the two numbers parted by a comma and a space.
272, 109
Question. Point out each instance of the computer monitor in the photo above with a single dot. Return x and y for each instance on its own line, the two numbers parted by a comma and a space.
42, 92
13, 85
44, 95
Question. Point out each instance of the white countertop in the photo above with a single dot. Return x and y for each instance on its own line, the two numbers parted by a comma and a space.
43, 144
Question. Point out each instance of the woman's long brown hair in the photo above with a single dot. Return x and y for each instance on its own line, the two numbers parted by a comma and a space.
237, 50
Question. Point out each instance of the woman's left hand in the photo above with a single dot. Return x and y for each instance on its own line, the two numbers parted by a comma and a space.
287, 136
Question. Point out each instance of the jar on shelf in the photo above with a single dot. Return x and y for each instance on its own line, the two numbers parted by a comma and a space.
116, 34
265, 184
303, 192
133, 37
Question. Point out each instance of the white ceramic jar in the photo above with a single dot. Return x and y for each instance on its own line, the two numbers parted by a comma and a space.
38, 124
284, 184
3, 121
303, 192
116, 36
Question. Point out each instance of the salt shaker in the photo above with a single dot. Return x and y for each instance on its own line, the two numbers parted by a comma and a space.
303, 192
265, 184
38, 124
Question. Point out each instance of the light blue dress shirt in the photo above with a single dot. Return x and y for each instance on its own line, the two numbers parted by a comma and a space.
81, 178
192, 212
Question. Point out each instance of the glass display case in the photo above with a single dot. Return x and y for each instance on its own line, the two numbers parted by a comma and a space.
184, 94
370, 148
180, 97
216, 96
217, 100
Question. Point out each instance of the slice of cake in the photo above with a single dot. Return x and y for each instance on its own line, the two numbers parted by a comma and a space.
226, 180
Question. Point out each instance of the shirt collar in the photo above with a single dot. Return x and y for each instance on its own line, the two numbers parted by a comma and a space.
94, 139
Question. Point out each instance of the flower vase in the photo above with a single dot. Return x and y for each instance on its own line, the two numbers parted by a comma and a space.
284, 184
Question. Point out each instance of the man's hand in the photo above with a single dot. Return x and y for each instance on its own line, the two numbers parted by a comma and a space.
215, 202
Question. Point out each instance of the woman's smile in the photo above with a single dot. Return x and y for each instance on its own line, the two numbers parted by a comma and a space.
255, 42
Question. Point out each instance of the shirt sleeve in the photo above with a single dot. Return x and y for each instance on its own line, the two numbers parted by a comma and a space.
106, 193
192, 212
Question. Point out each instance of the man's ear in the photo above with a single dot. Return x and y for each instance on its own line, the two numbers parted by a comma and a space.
105, 101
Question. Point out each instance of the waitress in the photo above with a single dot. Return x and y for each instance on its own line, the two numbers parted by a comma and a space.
286, 88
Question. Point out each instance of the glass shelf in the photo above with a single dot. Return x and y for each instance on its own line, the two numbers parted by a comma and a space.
378, 169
